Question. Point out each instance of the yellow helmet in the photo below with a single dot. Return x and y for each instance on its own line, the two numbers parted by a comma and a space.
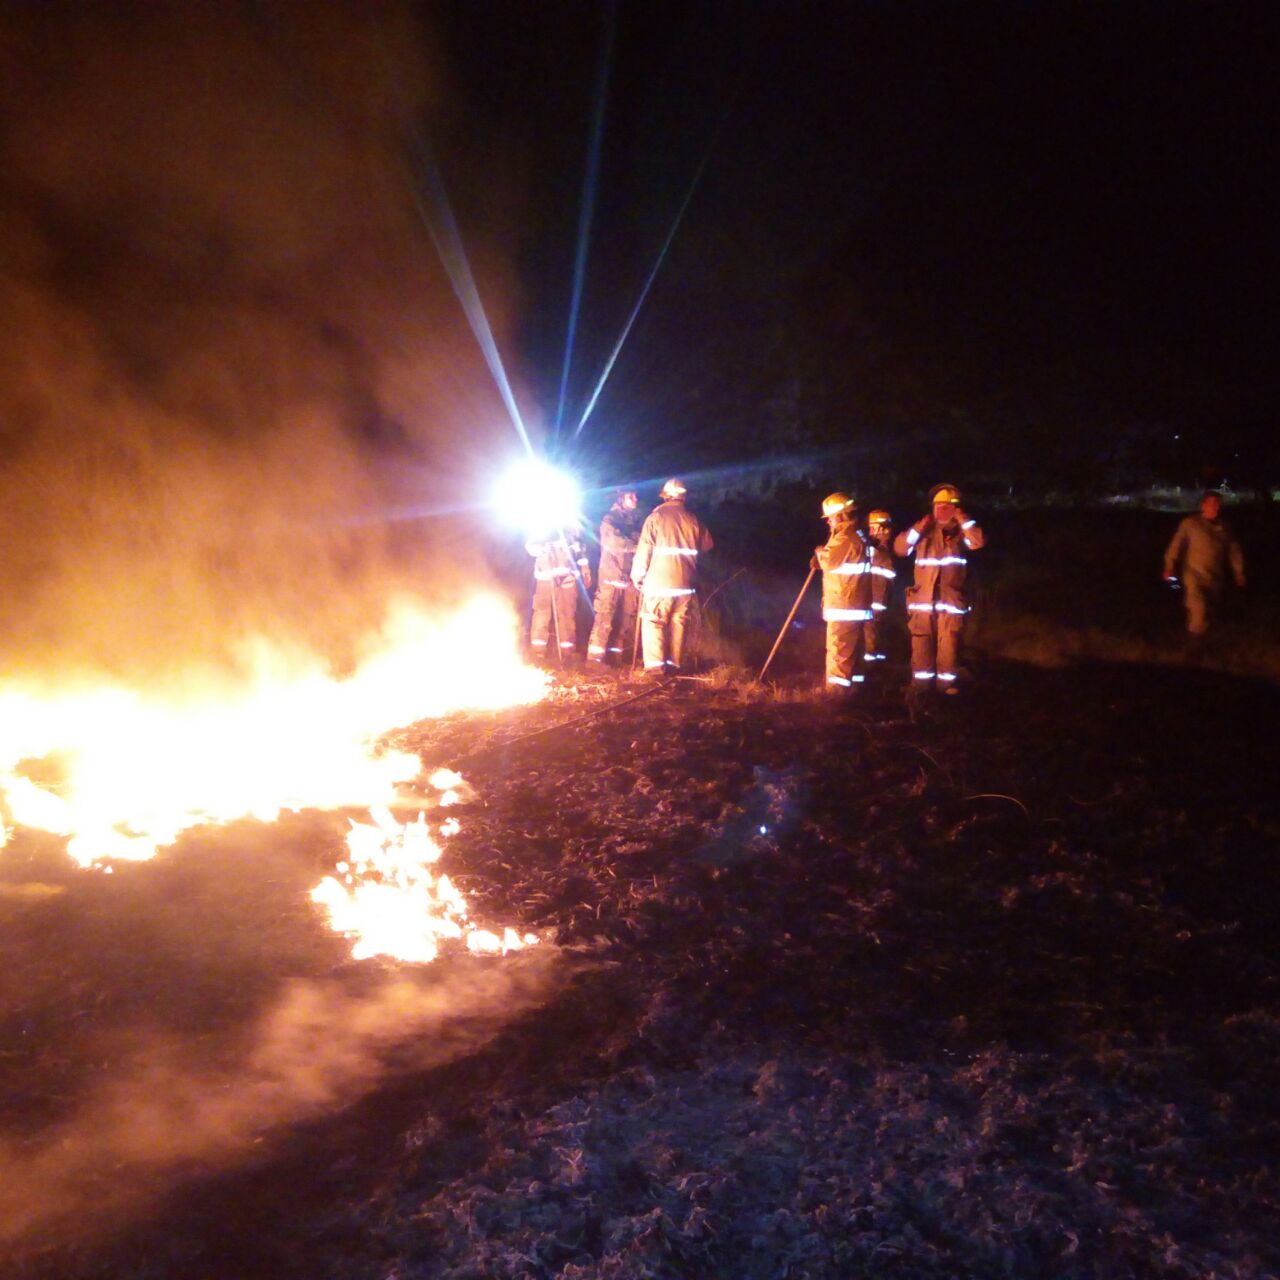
879, 519
944, 493
835, 504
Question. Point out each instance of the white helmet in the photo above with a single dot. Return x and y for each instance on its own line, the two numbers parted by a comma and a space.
673, 489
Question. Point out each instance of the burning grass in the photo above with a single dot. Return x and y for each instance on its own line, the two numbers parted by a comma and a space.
990, 993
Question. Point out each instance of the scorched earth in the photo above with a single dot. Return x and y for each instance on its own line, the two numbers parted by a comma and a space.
827, 992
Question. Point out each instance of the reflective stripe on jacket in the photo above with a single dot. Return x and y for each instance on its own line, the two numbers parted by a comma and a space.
671, 540
882, 575
941, 560
1201, 551
619, 533
846, 575
558, 557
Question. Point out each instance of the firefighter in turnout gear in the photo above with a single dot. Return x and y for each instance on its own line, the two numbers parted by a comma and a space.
936, 601
617, 600
845, 561
1201, 553
559, 564
879, 540
665, 572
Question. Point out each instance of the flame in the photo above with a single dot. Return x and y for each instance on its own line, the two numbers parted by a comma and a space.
121, 772
389, 901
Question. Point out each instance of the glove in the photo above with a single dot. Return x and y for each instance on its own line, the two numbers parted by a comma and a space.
814, 565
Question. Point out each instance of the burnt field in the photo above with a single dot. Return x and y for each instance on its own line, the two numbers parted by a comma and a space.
829, 992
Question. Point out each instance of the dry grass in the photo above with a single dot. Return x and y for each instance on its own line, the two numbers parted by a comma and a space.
989, 993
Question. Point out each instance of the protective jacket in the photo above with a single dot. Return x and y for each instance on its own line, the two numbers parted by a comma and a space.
940, 564
558, 557
846, 565
666, 561
1201, 551
619, 535
882, 573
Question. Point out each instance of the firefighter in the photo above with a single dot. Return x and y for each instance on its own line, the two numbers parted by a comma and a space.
665, 572
617, 600
845, 561
879, 540
1201, 552
936, 600
559, 565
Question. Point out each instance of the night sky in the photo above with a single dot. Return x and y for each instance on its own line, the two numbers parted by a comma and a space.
1002, 233
1023, 246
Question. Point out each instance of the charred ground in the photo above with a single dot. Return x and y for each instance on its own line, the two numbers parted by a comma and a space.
988, 993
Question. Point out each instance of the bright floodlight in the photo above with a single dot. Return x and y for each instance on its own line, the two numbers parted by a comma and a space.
538, 498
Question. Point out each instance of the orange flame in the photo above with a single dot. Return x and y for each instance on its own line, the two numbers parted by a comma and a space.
121, 772
391, 903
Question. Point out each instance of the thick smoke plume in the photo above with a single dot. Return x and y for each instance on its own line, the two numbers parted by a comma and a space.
229, 349
320, 1047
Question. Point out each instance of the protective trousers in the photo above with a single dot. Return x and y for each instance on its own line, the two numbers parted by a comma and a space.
555, 615
614, 629
871, 639
935, 646
669, 626
847, 645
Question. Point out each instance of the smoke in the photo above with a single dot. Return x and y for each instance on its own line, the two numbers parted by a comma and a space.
319, 1047
229, 350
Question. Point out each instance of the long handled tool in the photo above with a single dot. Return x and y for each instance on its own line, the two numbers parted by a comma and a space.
635, 641
778, 642
555, 623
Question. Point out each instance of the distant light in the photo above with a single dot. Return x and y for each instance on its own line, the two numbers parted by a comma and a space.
764, 831
538, 498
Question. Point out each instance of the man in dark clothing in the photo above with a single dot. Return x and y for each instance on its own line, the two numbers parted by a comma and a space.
1203, 552
617, 600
